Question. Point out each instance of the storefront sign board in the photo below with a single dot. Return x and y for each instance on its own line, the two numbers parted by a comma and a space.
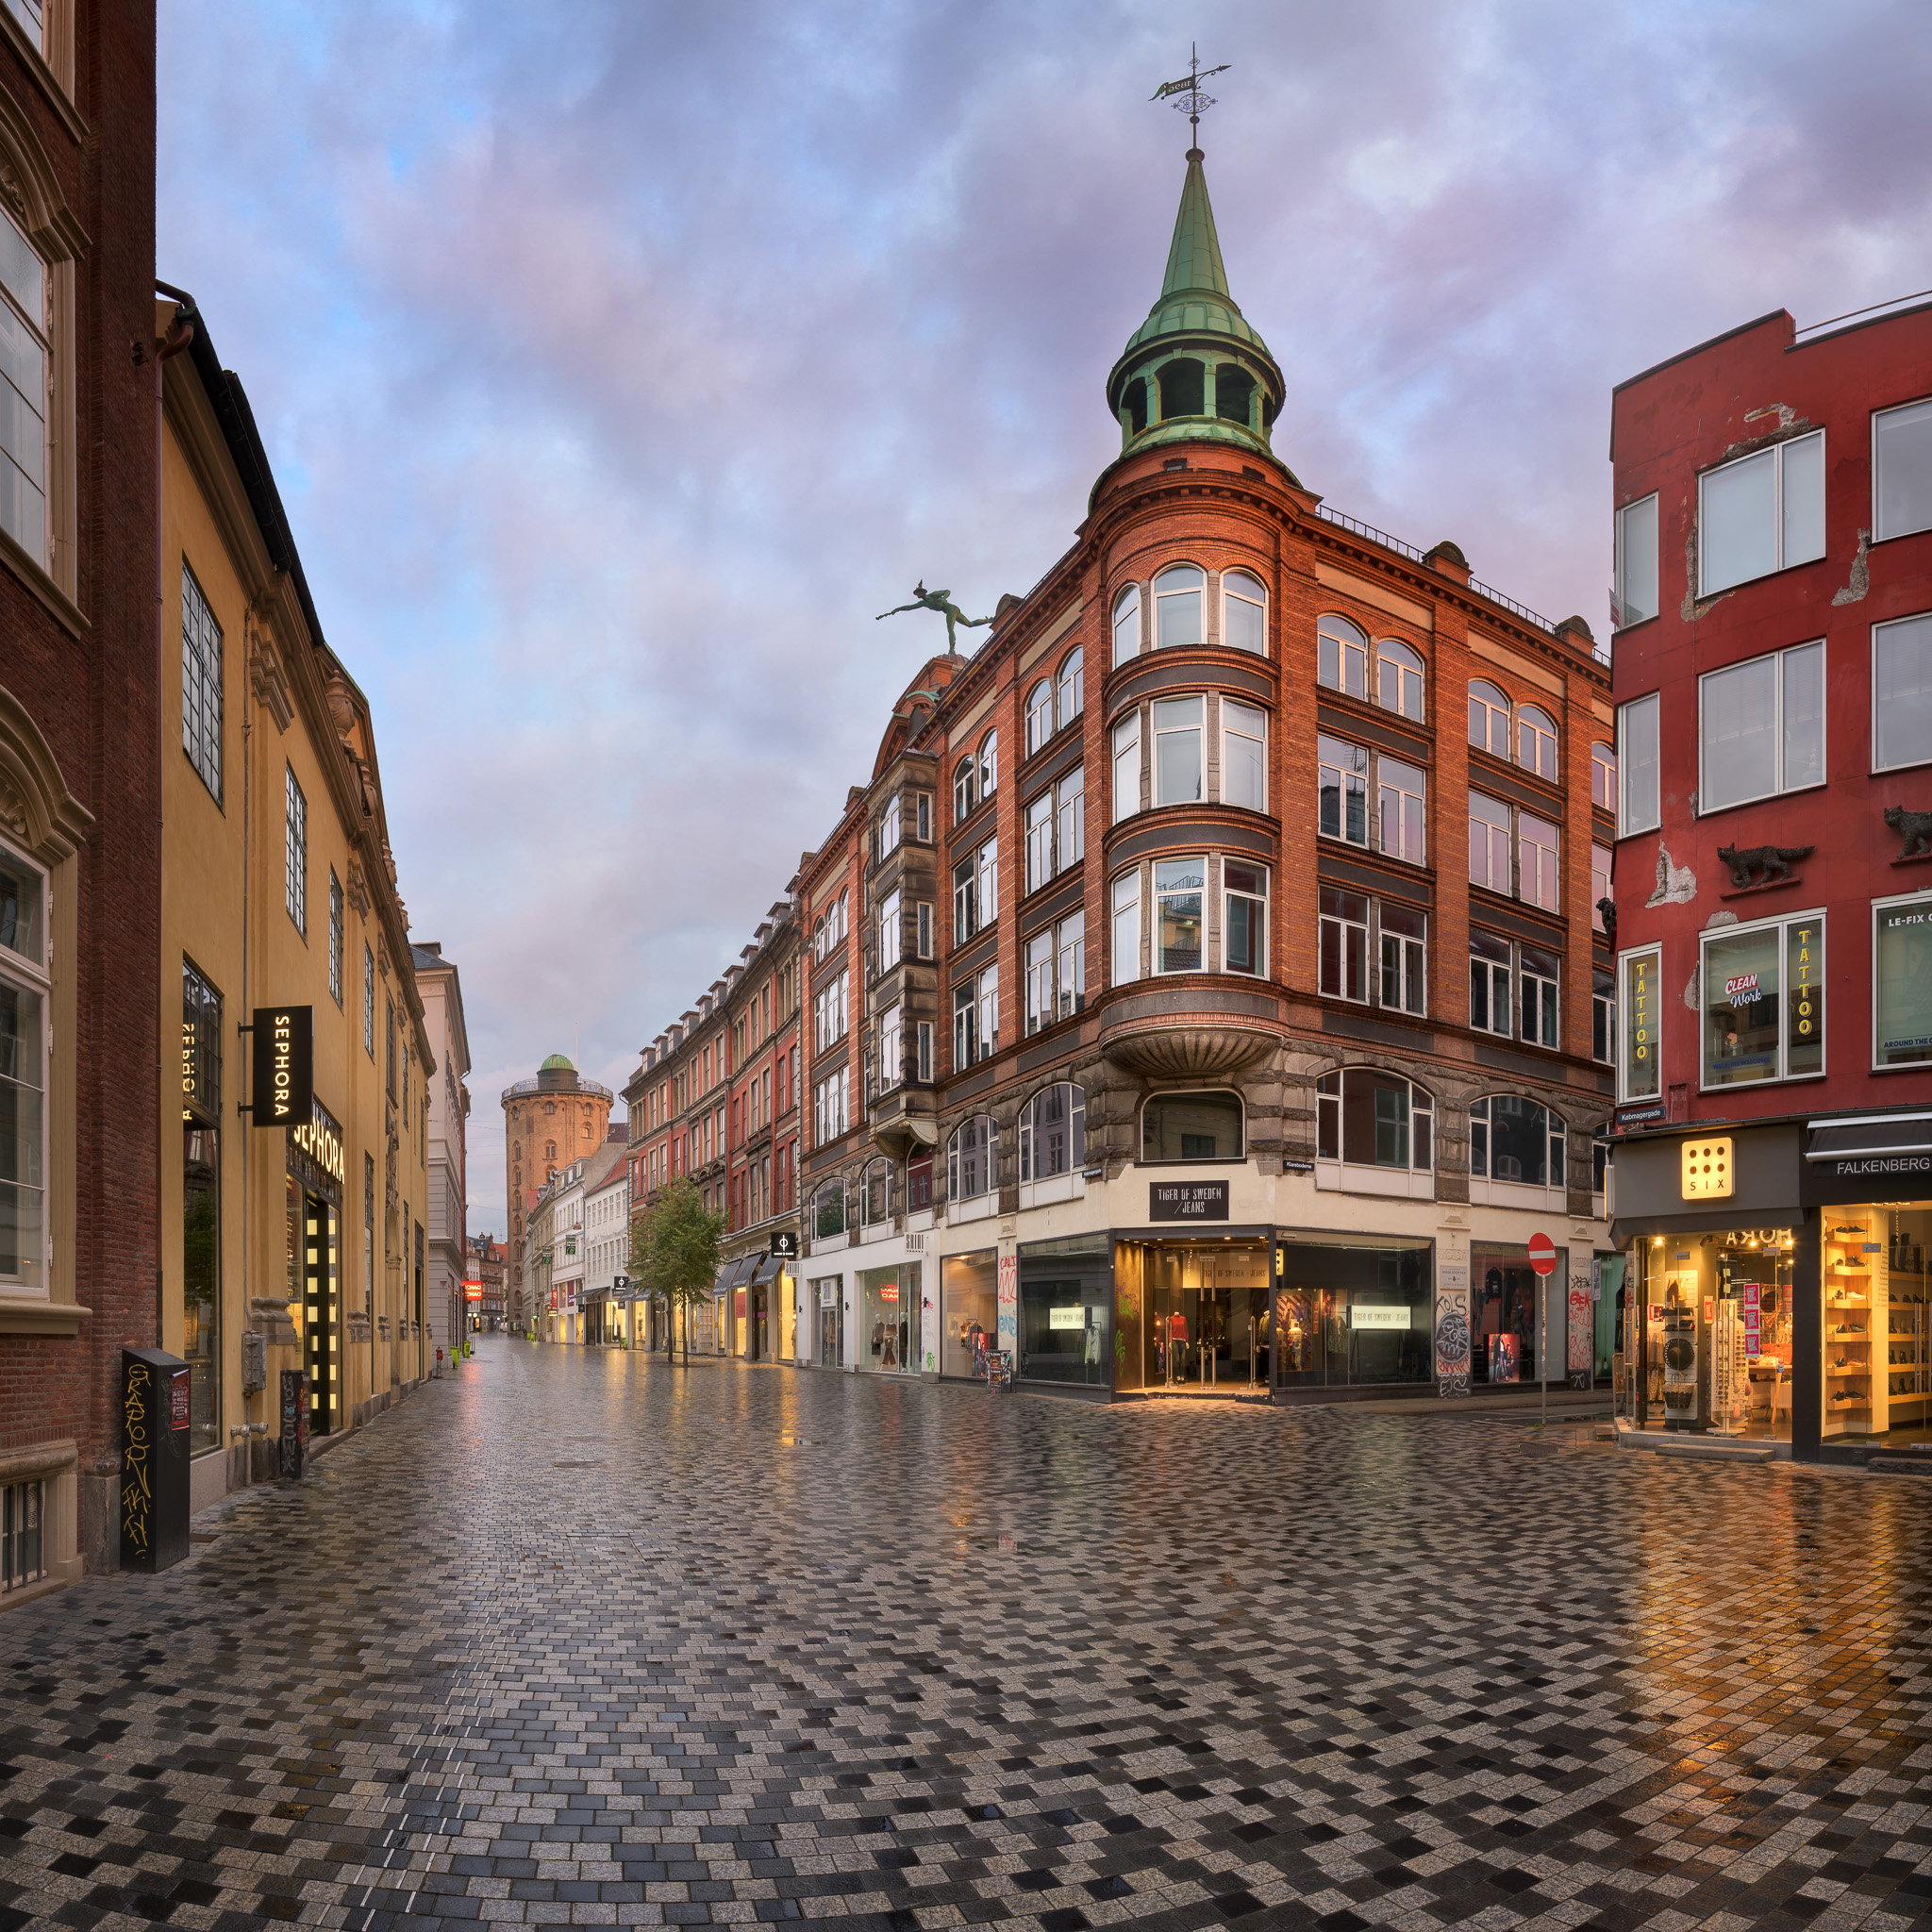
282, 1084
1186, 1201
784, 1245
1707, 1168
1451, 1331
1368, 1315
1066, 1318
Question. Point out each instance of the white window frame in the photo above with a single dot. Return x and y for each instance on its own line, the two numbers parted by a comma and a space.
1071, 964
1603, 1013
1124, 910
1479, 963
1261, 899
1922, 897
1777, 452
1507, 829
1778, 923
1538, 723
1069, 687
1037, 832
1199, 732
1039, 715
1204, 892
1608, 763
989, 765
1419, 670
1880, 533
891, 1059
1070, 815
1351, 939
1640, 512
1778, 788
1127, 766
965, 788
1231, 731
1258, 601
1600, 876
1525, 844
1533, 988
1555, 1148
1491, 707
1076, 1132
889, 826
1329, 1108
1411, 963
922, 929
1398, 790
1037, 965
923, 1036
1197, 590
35, 977
1923, 618
1126, 617
1351, 642
42, 332
891, 931
1644, 714
1359, 775
987, 878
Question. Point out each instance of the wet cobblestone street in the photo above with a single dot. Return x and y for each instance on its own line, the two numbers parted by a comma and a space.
583, 1637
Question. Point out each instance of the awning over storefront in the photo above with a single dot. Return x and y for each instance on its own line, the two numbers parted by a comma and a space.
1880, 1156
735, 1273
768, 1269
1869, 1134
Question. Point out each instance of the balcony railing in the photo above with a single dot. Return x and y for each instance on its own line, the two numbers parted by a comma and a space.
578, 1085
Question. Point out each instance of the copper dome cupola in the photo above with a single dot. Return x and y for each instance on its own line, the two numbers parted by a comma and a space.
1195, 371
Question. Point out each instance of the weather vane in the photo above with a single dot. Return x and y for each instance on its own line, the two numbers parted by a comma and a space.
1185, 93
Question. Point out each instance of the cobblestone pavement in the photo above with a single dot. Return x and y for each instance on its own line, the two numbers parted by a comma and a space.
587, 1639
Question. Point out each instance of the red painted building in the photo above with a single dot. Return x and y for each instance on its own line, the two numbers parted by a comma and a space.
1772, 676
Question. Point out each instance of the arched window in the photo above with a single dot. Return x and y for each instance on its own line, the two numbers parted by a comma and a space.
1052, 1132
1178, 592
1514, 1138
1192, 1127
1243, 612
1489, 718
1136, 401
965, 787
1602, 778
1367, 1117
988, 764
1073, 689
1234, 393
828, 1209
1535, 742
1341, 657
1182, 388
973, 1159
550, 1150
1399, 679
1127, 625
1039, 715
876, 1198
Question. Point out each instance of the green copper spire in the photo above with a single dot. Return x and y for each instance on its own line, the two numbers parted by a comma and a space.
1195, 370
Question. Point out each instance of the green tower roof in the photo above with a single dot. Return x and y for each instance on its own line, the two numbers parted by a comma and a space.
1195, 296
557, 1063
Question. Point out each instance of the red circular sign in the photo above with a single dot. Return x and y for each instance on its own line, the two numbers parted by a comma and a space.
1542, 1253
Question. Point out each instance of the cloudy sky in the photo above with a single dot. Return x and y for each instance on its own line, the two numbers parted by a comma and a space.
620, 360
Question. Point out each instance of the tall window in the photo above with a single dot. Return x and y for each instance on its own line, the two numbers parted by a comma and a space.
201, 1206
1342, 772
1539, 998
876, 1193
1071, 964
1902, 694
1488, 844
1179, 764
1039, 715
368, 1000
1640, 763
1341, 657
1052, 1132
965, 787
1602, 778
973, 1159
828, 1210
892, 1048
1072, 806
1762, 727
988, 764
1902, 471
1636, 563
1072, 689
1127, 625
1603, 1017
1367, 1117
295, 850
1126, 767
1515, 1140
1127, 927
829, 1013
1040, 1005
1342, 944
1178, 595
976, 1018
1536, 859
1599, 885
1243, 755
1243, 612
1179, 886
830, 1100
201, 684
335, 937
1760, 513
1764, 1001
1535, 743
1039, 833
1398, 679
26, 332
1399, 804
1489, 718
1243, 918
891, 936
1404, 946
1641, 974
890, 823
1902, 1017
1488, 983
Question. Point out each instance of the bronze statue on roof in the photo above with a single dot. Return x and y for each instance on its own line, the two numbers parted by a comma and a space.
941, 601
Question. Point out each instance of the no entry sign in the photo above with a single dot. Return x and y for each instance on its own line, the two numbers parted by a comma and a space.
1542, 1253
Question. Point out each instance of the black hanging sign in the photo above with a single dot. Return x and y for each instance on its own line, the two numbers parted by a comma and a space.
1186, 1201
284, 1082
785, 1245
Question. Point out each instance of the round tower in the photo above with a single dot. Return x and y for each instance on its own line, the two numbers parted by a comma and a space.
549, 1122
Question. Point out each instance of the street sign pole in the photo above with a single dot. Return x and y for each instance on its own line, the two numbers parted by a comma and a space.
1542, 1258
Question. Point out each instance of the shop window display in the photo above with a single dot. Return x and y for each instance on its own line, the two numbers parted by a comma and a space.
1505, 1326
1346, 1315
1208, 1324
1877, 1374
888, 1319
1065, 1296
1764, 1002
969, 1311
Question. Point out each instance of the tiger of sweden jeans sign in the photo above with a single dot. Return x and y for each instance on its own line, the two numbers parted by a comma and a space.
1187, 1200
283, 1085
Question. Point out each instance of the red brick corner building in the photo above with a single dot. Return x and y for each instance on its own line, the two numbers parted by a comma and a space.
1773, 683
1207, 990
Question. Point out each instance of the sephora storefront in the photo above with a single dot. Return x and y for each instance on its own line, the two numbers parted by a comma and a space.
1776, 1283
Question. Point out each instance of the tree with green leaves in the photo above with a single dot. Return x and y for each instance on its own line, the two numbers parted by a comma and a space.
674, 1253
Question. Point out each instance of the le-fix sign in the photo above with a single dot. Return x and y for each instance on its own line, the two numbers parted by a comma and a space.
283, 1085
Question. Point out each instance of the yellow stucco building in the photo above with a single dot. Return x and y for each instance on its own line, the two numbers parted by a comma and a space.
281, 1248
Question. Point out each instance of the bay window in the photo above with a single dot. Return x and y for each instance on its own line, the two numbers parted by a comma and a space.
1764, 1001
1179, 767
1180, 885
892, 1048
1126, 767
1127, 927
892, 932
1760, 513
1243, 755
1243, 612
1762, 727
1243, 918
889, 826
1126, 625
1178, 595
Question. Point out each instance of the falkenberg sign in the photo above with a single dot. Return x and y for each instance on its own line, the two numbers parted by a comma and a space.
284, 1080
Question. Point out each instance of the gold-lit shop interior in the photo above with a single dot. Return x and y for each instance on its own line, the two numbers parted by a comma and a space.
1877, 1379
